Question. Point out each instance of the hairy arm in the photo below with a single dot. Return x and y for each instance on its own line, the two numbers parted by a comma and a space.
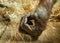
40, 16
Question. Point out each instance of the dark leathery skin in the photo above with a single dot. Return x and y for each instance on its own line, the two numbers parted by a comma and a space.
40, 16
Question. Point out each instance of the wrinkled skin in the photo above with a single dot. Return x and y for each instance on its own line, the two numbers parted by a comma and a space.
40, 16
